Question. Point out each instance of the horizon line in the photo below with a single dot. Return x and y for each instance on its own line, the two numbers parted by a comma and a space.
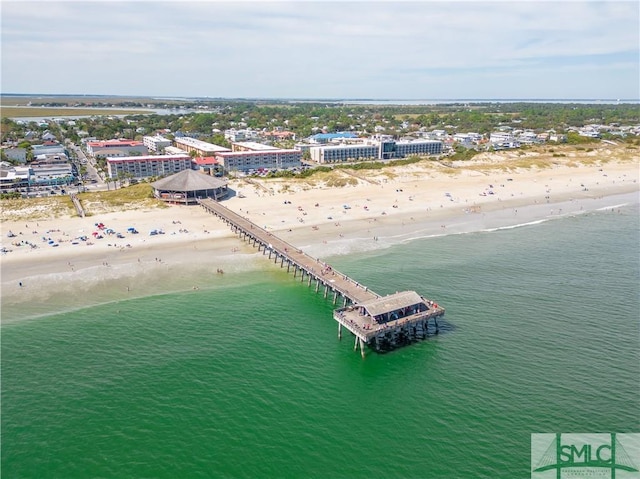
185, 97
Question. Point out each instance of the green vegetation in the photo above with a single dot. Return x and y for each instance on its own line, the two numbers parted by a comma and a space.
576, 139
135, 196
31, 112
11, 195
463, 154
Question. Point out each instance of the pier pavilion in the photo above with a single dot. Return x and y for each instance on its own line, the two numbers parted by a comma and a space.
382, 322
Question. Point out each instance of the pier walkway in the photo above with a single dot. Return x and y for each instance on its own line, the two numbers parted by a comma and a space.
310, 269
382, 322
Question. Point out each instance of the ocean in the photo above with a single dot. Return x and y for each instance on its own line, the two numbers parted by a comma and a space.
246, 377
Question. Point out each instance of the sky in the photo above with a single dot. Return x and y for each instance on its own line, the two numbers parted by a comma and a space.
323, 50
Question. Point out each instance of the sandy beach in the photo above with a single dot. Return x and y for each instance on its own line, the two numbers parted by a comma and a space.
60, 263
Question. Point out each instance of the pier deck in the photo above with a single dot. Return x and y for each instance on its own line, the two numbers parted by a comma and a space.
293, 257
382, 322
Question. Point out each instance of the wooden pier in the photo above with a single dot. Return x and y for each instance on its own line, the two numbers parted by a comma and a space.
382, 322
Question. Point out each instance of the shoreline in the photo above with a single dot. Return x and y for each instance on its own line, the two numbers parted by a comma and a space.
195, 244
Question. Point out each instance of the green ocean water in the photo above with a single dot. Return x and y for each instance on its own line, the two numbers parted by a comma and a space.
247, 378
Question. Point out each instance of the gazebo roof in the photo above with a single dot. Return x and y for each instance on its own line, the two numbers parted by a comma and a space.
189, 180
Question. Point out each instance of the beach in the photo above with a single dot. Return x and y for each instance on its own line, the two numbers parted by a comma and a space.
51, 261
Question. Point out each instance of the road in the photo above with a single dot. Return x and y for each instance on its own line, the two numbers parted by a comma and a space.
94, 179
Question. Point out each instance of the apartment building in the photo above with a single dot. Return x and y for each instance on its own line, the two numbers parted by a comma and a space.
147, 166
156, 143
257, 160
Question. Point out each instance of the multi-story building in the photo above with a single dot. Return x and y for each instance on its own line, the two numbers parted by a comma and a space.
201, 148
416, 147
52, 170
342, 153
251, 146
156, 143
375, 150
116, 148
173, 150
147, 166
501, 140
14, 176
47, 149
256, 160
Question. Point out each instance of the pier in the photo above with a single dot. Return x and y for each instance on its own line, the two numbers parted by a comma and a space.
382, 322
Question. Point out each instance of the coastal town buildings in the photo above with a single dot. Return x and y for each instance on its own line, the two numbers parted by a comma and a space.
44, 172
373, 149
156, 143
52, 170
262, 159
47, 148
14, 176
18, 155
251, 146
208, 165
246, 134
323, 138
199, 147
116, 148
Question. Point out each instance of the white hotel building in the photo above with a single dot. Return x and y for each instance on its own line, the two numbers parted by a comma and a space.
375, 150
147, 166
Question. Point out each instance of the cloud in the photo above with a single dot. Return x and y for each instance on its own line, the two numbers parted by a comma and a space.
308, 49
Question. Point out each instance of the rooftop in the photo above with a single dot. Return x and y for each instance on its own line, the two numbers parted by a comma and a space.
392, 302
119, 159
255, 146
114, 143
331, 136
189, 180
199, 144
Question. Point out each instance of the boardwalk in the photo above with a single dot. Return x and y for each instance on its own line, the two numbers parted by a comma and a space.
383, 322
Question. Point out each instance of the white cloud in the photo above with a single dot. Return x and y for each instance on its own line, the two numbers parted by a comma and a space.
304, 48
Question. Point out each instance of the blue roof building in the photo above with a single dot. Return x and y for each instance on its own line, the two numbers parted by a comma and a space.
327, 137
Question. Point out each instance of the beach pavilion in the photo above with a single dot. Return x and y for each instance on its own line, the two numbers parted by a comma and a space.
188, 186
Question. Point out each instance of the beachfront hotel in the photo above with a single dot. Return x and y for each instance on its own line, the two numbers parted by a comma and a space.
375, 150
147, 166
261, 159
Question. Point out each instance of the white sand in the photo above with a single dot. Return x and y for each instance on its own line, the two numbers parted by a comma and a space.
383, 209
